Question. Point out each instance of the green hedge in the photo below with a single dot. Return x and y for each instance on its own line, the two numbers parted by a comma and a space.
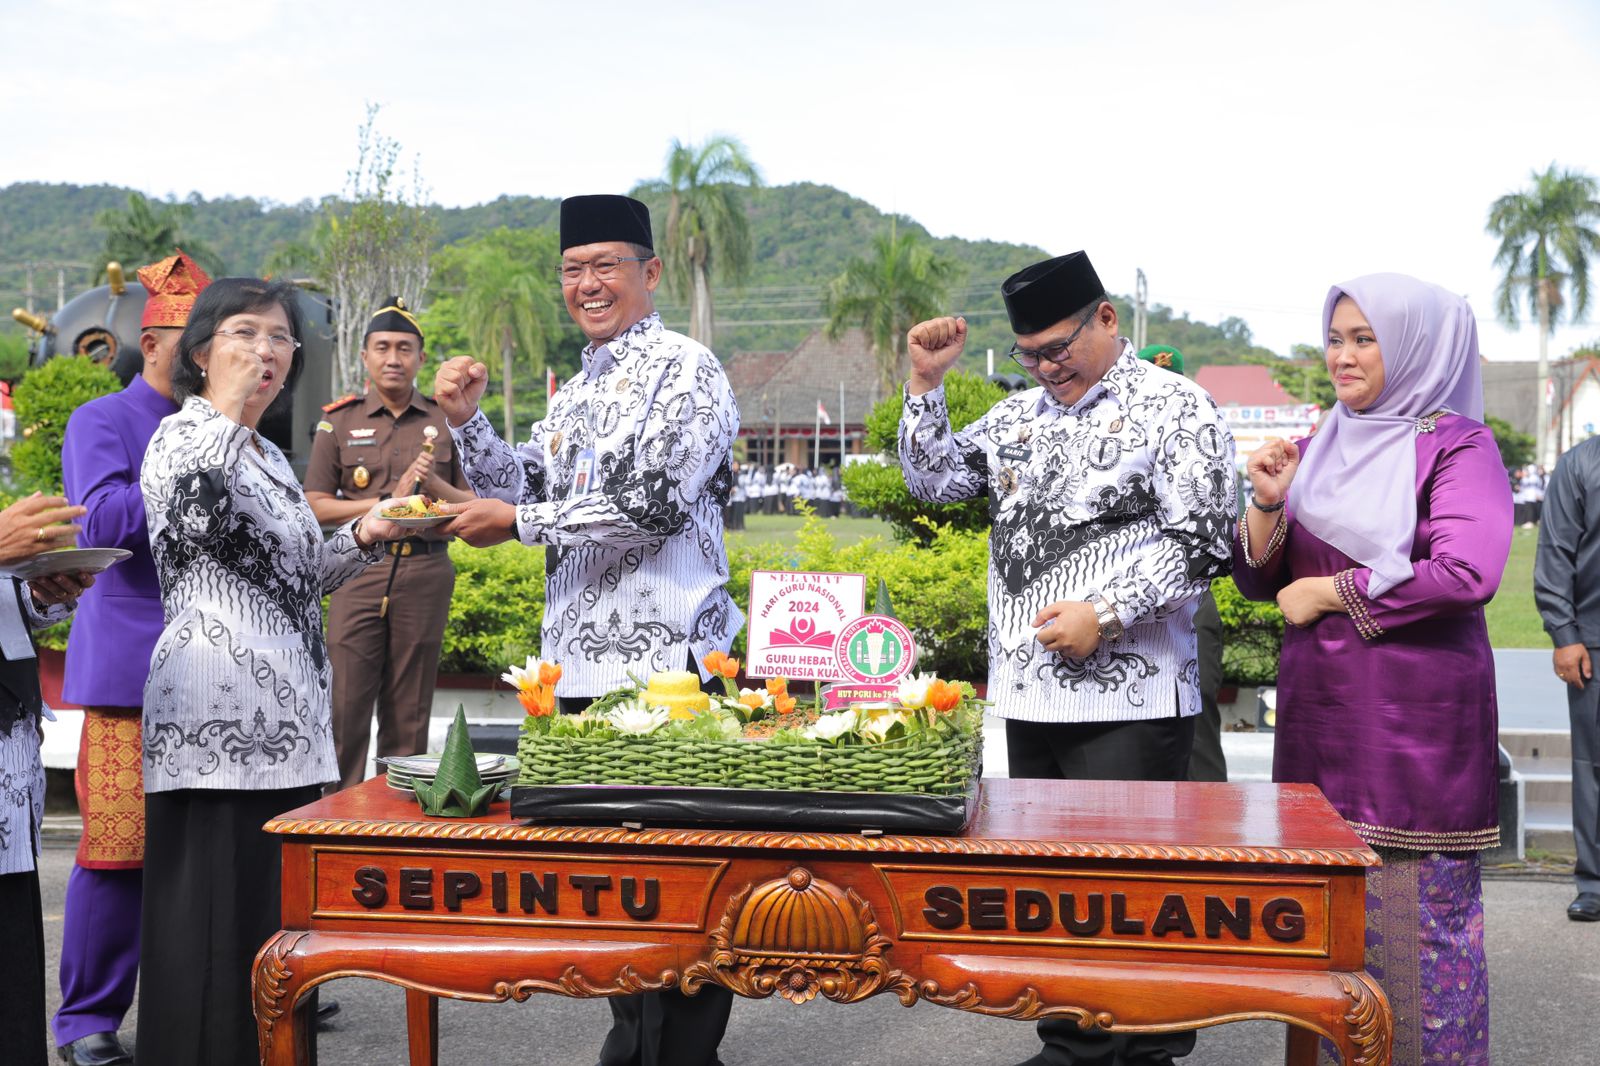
937, 587
497, 608
45, 398
1252, 636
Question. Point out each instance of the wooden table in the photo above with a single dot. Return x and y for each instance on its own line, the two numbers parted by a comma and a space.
1133, 907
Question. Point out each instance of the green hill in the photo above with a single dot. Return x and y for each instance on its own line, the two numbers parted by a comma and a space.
804, 234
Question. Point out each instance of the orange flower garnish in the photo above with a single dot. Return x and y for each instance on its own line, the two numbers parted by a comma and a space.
549, 674
539, 702
943, 696
719, 664
785, 704
777, 686
752, 700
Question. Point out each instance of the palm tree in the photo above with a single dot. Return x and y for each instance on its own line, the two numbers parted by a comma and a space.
1547, 234
149, 231
905, 282
508, 303
706, 225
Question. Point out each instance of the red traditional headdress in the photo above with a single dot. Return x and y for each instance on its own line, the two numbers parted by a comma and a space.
173, 285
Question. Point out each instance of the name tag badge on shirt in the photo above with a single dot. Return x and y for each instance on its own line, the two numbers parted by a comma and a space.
368, 443
1015, 453
583, 473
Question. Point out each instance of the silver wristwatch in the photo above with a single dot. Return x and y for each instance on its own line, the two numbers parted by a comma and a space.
1105, 617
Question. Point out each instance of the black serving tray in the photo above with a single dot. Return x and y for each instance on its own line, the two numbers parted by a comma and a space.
664, 807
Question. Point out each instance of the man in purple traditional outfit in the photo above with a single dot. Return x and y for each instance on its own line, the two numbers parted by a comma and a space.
108, 656
1382, 557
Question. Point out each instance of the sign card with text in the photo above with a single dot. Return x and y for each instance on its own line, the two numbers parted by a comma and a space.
795, 617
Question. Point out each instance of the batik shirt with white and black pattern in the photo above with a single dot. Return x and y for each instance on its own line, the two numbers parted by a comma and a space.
635, 565
1127, 494
21, 771
238, 694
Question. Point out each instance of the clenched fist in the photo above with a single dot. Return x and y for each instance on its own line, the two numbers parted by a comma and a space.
934, 347
458, 387
1270, 468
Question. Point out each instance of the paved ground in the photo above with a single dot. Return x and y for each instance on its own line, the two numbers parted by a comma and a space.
1545, 978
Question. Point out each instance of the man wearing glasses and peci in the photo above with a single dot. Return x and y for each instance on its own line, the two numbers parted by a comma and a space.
624, 483
1111, 489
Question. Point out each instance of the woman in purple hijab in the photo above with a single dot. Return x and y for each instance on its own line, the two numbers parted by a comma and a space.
1381, 538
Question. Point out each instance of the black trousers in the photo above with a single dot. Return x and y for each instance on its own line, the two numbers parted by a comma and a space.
212, 883
22, 1036
662, 1028
1206, 761
1154, 750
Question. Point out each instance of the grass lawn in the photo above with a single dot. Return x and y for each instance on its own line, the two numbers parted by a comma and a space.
774, 528
1513, 621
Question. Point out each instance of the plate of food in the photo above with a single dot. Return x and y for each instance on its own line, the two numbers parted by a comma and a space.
415, 512
67, 561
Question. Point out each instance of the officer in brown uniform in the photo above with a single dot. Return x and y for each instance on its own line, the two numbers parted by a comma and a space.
366, 448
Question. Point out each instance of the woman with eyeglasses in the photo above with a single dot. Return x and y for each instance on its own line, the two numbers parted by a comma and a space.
1382, 538
237, 720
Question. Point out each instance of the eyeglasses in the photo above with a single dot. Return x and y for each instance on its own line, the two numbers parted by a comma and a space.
604, 267
281, 344
1028, 358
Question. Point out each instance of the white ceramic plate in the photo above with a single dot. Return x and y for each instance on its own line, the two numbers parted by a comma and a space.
422, 522
428, 765
68, 560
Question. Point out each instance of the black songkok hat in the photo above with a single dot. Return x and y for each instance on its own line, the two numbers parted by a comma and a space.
393, 317
602, 218
1039, 296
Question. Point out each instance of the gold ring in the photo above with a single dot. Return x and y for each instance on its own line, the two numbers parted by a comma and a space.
41, 534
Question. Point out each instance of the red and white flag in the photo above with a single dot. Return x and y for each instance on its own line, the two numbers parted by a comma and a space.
549, 381
822, 414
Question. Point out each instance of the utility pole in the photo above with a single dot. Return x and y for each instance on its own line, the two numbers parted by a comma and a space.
1141, 320
29, 267
61, 287
841, 427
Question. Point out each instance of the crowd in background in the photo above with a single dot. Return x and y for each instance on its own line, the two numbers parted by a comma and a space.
1527, 494
781, 489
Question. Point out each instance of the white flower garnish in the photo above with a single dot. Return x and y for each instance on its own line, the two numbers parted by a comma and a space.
760, 693
521, 675
913, 691
831, 726
636, 719
877, 726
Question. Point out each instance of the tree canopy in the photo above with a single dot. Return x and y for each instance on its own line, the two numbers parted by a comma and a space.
707, 228
905, 282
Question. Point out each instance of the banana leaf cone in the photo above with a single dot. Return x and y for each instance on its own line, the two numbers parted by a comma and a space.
457, 791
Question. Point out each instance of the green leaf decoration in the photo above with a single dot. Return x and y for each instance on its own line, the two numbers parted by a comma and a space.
457, 791
881, 604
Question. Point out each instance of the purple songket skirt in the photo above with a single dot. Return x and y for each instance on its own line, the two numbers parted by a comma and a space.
1425, 948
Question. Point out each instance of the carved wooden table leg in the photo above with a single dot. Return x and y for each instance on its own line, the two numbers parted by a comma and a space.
483, 969
284, 1026
1302, 1046
1350, 1009
422, 1027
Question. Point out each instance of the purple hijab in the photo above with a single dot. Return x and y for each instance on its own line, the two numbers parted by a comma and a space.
1357, 489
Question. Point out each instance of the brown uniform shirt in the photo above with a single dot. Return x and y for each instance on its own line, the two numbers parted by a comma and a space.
360, 449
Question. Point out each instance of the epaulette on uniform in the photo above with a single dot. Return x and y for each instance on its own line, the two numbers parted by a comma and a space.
343, 401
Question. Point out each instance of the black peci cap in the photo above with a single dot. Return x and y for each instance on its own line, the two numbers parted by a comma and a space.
604, 217
1039, 296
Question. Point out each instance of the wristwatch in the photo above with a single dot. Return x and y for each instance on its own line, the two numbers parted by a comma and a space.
1105, 617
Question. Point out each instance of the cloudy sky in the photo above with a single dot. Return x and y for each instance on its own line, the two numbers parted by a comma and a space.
1244, 154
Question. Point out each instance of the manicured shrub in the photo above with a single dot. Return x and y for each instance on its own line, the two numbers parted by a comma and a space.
44, 399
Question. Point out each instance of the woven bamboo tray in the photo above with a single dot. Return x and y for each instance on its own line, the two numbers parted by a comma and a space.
920, 765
